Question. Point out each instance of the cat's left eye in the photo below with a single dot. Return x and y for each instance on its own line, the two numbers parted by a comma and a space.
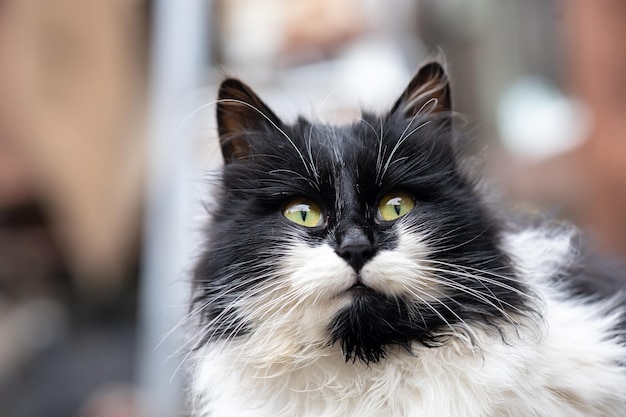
304, 212
395, 205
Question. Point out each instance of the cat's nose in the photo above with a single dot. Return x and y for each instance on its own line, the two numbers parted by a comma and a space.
356, 249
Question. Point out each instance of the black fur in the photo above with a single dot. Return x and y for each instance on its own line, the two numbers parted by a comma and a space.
269, 163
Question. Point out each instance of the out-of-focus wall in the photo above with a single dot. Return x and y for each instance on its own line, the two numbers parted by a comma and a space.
71, 85
72, 152
596, 70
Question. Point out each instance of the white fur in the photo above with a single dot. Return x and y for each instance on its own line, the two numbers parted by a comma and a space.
564, 365
397, 271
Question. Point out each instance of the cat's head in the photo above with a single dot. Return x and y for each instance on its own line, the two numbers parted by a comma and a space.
359, 237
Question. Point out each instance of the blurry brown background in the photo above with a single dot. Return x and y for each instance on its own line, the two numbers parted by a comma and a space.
73, 149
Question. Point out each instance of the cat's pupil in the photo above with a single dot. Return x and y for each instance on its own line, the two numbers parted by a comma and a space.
396, 204
303, 213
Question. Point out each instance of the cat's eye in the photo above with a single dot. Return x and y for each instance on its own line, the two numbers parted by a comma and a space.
304, 212
395, 205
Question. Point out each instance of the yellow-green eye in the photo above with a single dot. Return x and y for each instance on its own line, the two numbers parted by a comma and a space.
395, 205
303, 212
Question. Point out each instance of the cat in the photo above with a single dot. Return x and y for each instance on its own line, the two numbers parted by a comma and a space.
357, 271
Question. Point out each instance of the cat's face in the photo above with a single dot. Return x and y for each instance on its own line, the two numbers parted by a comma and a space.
361, 237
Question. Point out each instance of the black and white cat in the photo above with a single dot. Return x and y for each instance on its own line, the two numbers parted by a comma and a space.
355, 271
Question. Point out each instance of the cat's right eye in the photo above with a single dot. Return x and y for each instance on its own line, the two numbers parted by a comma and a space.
304, 212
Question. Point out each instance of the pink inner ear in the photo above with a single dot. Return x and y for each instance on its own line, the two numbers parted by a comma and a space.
234, 147
428, 92
232, 128
240, 111
240, 108
430, 97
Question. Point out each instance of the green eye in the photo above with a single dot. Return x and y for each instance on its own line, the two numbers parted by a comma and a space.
395, 205
303, 212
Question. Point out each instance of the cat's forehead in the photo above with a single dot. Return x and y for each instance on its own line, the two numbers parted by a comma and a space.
373, 153
333, 150
332, 142
364, 140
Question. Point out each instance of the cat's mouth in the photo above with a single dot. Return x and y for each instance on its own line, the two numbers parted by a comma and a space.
359, 288
358, 285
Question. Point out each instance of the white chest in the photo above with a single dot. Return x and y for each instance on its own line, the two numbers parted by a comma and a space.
565, 374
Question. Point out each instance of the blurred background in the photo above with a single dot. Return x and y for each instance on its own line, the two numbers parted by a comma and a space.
107, 129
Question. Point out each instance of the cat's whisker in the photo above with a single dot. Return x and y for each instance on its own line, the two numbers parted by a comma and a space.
365, 122
492, 273
195, 111
295, 299
423, 301
476, 279
275, 326
480, 275
259, 287
482, 280
408, 126
204, 333
466, 327
398, 144
402, 137
180, 323
309, 168
313, 124
447, 282
379, 154
295, 174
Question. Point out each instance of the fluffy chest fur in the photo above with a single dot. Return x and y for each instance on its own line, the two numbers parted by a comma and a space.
356, 271
565, 364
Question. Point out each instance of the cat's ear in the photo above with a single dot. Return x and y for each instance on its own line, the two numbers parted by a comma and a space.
240, 112
428, 91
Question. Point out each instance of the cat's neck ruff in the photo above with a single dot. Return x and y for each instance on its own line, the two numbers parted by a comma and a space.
540, 369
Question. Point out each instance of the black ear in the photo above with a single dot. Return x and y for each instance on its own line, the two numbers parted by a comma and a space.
428, 91
240, 112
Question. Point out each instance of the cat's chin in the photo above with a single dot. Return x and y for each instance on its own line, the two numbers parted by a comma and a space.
362, 295
373, 322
